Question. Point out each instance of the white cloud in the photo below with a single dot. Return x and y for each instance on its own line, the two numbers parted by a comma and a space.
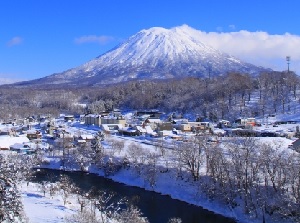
14, 41
93, 39
260, 48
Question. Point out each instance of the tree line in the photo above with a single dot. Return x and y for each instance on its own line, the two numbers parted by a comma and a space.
260, 179
222, 97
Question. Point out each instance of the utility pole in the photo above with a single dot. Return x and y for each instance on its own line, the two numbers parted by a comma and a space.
64, 155
288, 59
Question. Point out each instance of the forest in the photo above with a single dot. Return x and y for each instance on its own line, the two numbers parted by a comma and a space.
223, 97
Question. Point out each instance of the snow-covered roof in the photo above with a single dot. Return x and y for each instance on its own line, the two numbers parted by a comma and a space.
106, 126
154, 120
219, 131
81, 141
128, 129
92, 115
146, 129
7, 141
87, 137
181, 121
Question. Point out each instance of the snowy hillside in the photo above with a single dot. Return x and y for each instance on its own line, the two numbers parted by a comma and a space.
155, 53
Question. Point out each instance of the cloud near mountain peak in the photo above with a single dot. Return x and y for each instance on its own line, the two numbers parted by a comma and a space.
257, 47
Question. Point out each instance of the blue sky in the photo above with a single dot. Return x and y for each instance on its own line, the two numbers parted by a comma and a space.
40, 37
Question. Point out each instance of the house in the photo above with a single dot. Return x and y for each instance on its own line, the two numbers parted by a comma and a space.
33, 134
129, 131
224, 124
111, 128
7, 141
153, 123
185, 127
98, 120
92, 119
113, 120
86, 137
146, 129
6, 132
246, 121
22, 149
201, 127
69, 118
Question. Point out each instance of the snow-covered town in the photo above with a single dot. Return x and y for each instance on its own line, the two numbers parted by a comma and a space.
149, 112
165, 153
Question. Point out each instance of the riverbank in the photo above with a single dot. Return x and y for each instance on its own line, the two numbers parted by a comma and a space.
155, 207
166, 184
156, 168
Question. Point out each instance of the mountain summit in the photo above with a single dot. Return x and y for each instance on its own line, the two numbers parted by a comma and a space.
155, 53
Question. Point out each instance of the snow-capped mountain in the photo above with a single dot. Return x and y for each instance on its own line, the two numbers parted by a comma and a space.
155, 53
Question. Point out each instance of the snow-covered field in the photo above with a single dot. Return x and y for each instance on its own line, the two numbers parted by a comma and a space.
44, 208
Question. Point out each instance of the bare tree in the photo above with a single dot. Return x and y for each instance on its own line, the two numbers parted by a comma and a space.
66, 187
131, 215
150, 173
137, 156
85, 216
191, 155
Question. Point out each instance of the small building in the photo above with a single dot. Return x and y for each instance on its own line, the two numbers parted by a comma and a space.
98, 120
69, 118
129, 131
6, 132
92, 119
201, 127
146, 129
224, 124
33, 134
111, 128
7, 141
246, 121
185, 127
119, 120
86, 137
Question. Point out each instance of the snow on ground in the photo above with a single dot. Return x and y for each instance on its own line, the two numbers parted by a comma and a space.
167, 184
40, 208
7, 141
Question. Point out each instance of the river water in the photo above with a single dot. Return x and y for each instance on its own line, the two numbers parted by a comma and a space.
156, 207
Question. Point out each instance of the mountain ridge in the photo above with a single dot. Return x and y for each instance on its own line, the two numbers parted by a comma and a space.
155, 53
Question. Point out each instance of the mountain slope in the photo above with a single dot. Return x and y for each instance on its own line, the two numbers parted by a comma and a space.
156, 53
